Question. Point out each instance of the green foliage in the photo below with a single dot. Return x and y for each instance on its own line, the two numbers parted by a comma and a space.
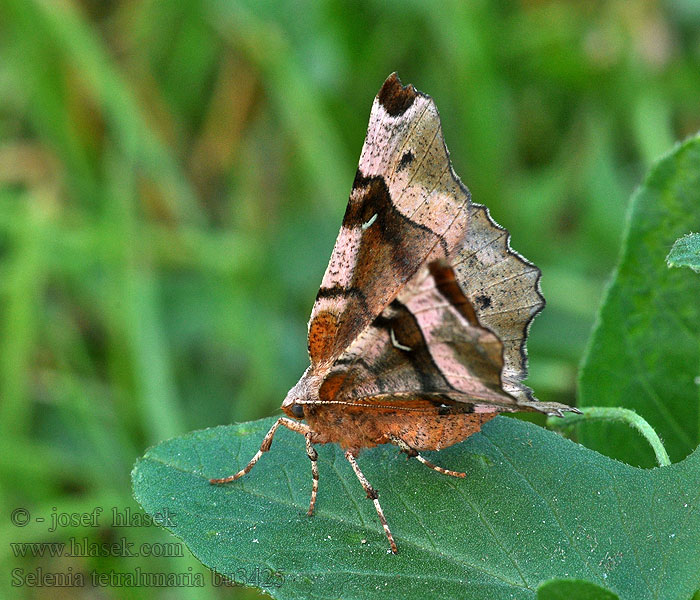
571, 589
533, 506
644, 352
615, 414
173, 175
685, 252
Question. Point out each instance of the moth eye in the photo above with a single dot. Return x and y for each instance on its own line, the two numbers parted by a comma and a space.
298, 411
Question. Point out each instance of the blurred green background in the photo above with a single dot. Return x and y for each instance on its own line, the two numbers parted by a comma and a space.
173, 176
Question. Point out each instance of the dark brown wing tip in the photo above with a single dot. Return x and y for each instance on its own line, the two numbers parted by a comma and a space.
395, 97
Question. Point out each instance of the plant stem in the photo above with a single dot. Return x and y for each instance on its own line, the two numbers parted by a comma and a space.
622, 415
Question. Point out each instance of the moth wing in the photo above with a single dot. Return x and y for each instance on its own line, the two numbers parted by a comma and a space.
406, 207
503, 287
427, 349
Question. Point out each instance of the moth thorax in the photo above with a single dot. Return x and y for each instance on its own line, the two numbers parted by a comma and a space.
305, 391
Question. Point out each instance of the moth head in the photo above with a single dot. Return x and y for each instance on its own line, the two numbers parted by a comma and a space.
304, 392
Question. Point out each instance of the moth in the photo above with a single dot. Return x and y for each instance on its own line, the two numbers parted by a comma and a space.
417, 335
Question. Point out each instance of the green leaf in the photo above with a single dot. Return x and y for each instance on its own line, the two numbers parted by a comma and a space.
573, 589
534, 506
686, 252
645, 350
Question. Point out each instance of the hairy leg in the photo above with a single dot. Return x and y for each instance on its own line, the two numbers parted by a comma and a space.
372, 494
265, 446
313, 456
413, 453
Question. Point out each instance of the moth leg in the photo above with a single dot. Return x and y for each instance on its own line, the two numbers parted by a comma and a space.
372, 494
313, 456
265, 446
413, 453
